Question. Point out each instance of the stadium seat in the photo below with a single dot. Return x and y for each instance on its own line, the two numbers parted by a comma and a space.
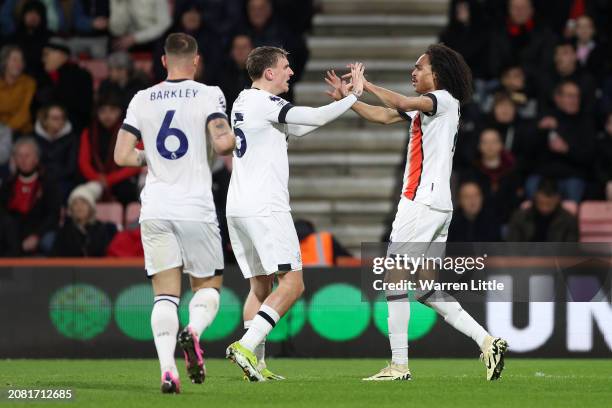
595, 220
110, 212
98, 68
132, 213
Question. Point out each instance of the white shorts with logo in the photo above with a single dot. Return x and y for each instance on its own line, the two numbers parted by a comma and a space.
265, 245
196, 246
416, 226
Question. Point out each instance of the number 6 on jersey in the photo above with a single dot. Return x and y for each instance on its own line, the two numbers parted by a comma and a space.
162, 138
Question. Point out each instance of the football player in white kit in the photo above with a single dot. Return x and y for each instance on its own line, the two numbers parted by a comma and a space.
260, 226
443, 81
180, 232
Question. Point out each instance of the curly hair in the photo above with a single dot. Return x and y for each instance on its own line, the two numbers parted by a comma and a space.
452, 72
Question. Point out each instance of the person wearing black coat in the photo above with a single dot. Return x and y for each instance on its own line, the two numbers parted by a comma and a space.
82, 235
473, 222
65, 83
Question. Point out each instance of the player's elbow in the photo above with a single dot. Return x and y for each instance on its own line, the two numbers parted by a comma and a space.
119, 157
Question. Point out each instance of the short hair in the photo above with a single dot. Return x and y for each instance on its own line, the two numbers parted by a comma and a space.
262, 58
502, 96
44, 111
25, 140
548, 187
563, 84
452, 72
180, 45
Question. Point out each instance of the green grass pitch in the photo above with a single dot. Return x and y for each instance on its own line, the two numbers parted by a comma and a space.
319, 383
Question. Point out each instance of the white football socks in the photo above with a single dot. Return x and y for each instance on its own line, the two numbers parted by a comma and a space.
261, 325
399, 316
203, 308
260, 349
165, 324
454, 314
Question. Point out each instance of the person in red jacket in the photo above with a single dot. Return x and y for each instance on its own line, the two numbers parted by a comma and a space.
96, 153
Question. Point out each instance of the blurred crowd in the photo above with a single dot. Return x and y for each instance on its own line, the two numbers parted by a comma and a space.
536, 140
68, 69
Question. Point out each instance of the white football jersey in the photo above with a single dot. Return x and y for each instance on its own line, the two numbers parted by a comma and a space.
260, 166
171, 119
430, 152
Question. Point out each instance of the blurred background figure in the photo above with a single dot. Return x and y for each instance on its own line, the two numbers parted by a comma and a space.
137, 24
565, 145
471, 221
65, 83
16, 91
122, 79
603, 167
545, 220
96, 161
233, 78
59, 145
82, 235
30, 199
318, 248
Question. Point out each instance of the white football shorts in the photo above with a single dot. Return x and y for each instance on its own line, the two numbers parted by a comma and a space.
265, 245
196, 246
416, 226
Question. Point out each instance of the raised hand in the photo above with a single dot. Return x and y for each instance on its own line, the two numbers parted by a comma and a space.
357, 78
339, 87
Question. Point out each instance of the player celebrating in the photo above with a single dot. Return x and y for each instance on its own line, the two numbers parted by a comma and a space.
261, 230
180, 231
443, 80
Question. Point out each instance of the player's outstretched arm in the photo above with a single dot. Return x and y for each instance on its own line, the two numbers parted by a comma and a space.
376, 114
401, 102
303, 115
126, 153
221, 134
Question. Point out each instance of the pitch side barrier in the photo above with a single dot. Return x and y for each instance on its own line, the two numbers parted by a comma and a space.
553, 304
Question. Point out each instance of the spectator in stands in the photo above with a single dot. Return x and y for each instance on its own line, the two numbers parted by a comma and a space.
603, 167
495, 172
517, 134
546, 220
31, 36
233, 78
210, 46
6, 145
318, 248
30, 198
473, 222
90, 21
138, 24
566, 68
54, 12
16, 91
466, 33
59, 146
589, 52
223, 17
521, 40
82, 235
122, 80
96, 153
565, 145
9, 244
65, 83
265, 29
514, 83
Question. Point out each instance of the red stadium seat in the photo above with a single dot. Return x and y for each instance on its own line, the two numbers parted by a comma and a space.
132, 213
595, 219
110, 212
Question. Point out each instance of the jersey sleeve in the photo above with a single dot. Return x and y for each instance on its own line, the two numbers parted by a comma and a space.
218, 100
131, 123
441, 102
275, 108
